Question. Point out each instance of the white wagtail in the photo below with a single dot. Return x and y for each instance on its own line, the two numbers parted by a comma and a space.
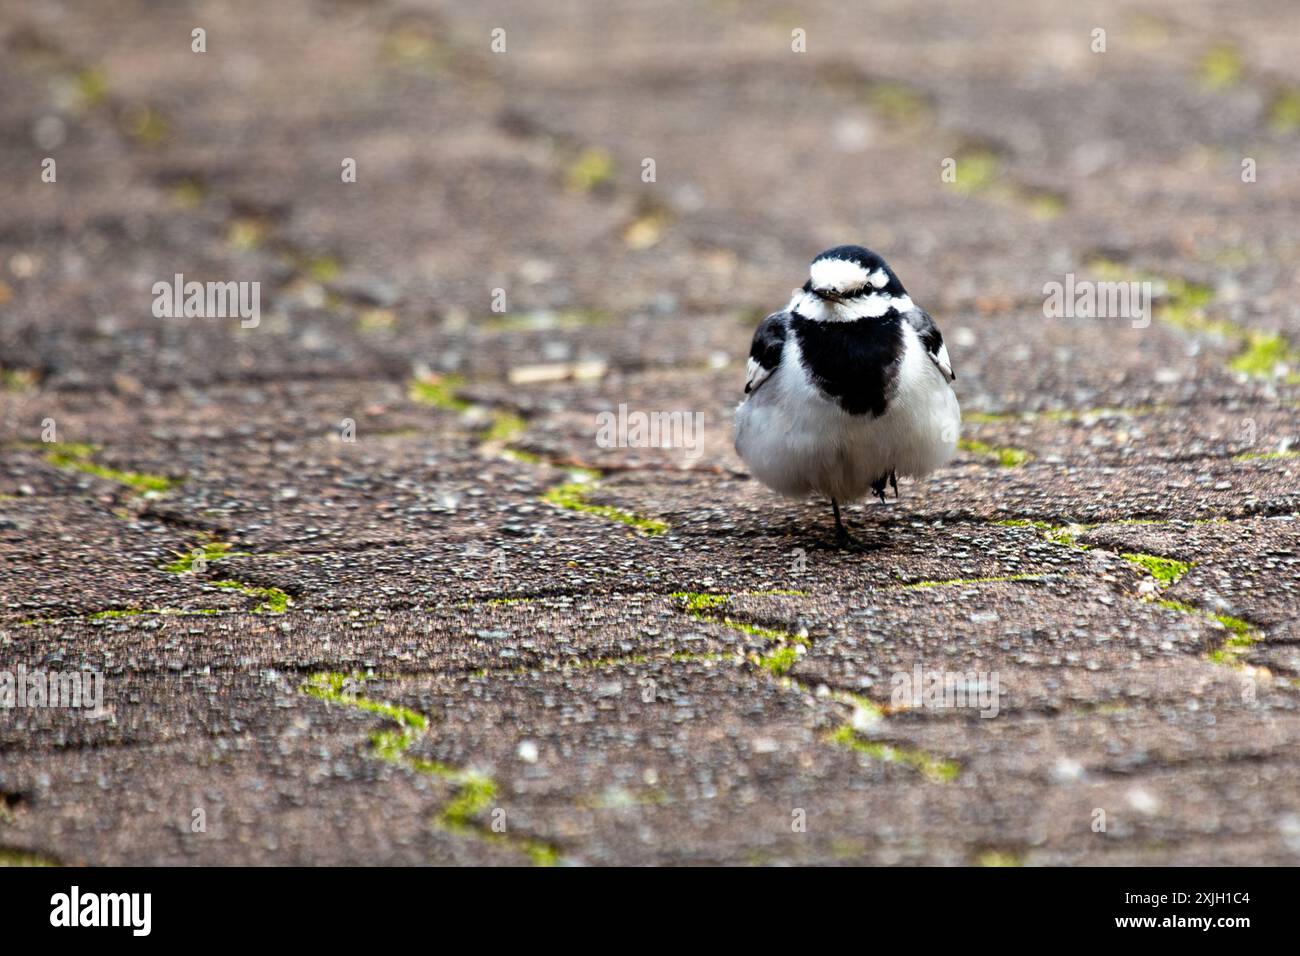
848, 387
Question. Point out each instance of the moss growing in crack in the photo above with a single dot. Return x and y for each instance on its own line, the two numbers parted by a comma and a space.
1183, 304
898, 104
275, 601
1266, 455
1264, 355
210, 552
523, 457
505, 427
475, 795
591, 169
1284, 113
931, 767
90, 86
779, 660
111, 614
15, 380
1242, 635
321, 269
1167, 571
957, 582
1064, 535
146, 126
438, 391
12, 857
114, 613
1005, 457
975, 171
73, 456
572, 496
474, 791
697, 603
1221, 67
999, 858
698, 606
1060, 414
568, 320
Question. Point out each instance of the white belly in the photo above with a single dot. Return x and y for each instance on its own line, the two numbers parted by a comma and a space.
799, 443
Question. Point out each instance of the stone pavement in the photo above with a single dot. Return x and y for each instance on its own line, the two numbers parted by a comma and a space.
363, 584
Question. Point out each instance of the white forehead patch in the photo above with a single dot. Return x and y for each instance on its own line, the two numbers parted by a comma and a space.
838, 275
872, 306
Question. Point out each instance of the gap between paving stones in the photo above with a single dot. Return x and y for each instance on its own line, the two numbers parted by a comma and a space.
1160, 573
475, 792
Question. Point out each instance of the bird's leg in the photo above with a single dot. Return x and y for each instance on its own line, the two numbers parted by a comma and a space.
893, 482
843, 539
878, 487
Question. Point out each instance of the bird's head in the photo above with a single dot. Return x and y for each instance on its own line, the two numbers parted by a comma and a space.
849, 273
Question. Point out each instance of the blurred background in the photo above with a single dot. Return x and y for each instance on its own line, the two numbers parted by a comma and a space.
474, 228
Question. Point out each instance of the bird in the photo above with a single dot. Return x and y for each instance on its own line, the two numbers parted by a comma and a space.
848, 387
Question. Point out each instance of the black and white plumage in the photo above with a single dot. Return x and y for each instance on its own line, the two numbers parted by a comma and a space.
848, 386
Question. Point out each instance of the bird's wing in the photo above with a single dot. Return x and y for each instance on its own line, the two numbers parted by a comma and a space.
932, 339
765, 351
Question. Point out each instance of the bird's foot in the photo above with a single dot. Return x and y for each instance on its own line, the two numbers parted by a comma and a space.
893, 483
843, 540
846, 542
878, 488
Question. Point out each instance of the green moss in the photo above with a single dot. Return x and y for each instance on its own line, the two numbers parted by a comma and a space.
1221, 67
474, 792
146, 126
975, 171
999, 858
1165, 570
697, 603
568, 320
321, 268
524, 457
572, 496
956, 582
505, 427
896, 103
12, 857
1005, 457
1064, 535
16, 380
91, 88
1059, 415
931, 767
1184, 304
1266, 455
779, 660
211, 552
73, 456
115, 613
188, 193
1263, 355
1284, 112
698, 606
589, 170
1242, 637
1042, 203
475, 795
276, 601
417, 47
438, 391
